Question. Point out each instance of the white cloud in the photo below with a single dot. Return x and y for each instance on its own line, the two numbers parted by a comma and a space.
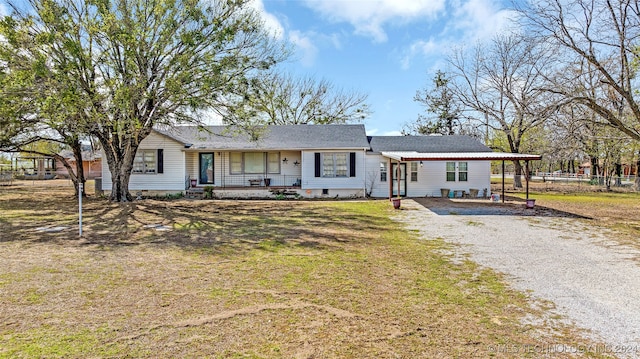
374, 132
271, 22
418, 48
368, 17
305, 45
3, 10
392, 133
480, 20
471, 21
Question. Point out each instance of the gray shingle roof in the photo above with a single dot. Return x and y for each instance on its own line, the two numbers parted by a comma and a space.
426, 144
294, 137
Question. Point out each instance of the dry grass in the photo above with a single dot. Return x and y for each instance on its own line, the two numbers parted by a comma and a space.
616, 210
250, 279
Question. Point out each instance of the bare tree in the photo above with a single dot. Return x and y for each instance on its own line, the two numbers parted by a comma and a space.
282, 99
601, 35
502, 86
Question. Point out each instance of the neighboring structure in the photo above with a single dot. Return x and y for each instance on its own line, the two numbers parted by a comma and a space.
308, 160
35, 167
91, 163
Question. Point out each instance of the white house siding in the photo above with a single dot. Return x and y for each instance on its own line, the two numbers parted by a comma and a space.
372, 176
431, 178
336, 186
173, 178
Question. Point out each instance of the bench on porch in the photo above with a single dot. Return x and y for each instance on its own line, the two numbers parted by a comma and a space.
254, 182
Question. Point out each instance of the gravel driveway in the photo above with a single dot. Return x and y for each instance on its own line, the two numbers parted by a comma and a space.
593, 282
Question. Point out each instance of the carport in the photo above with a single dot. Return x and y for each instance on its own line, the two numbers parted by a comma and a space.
461, 156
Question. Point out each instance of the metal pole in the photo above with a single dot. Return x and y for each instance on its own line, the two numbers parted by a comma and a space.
502, 181
80, 190
390, 174
526, 174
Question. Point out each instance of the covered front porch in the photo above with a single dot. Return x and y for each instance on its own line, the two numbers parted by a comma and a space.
248, 170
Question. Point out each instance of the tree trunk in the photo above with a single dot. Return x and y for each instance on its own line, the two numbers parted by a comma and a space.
517, 175
120, 166
120, 185
618, 167
637, 181
594, 167
120, 152
79, 177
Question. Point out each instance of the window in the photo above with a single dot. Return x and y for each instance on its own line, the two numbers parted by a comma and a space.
254, 162
383, 172
331, 164
206, 168
144, 162
451, 171
335, 165
414, 171
273, 162
235, 163
462, 170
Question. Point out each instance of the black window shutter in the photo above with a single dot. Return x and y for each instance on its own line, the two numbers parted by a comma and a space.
352, 164
160, 160
317, 164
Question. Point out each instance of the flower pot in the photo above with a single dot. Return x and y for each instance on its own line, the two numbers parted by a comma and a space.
444, 192
267, 182
396, 203
194, 182
531, 203
473, 192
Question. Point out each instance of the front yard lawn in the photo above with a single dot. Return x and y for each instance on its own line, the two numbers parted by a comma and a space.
246, 279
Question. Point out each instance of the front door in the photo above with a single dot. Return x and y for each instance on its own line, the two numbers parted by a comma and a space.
206, 168
401, 173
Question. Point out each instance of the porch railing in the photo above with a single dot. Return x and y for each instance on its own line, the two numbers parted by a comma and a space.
254, 181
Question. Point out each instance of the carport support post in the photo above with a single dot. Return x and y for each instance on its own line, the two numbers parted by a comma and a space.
390, 180
502, 181
526, 176
398, 172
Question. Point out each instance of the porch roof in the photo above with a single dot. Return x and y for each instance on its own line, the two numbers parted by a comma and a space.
283, 137
460, 156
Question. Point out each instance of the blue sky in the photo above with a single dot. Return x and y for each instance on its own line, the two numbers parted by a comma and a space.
387, 49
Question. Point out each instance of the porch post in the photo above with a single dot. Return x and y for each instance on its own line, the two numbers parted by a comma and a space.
390, 180
398, 174
526, 175
502, 181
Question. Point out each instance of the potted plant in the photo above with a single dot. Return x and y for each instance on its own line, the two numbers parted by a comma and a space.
396, 202
208, 192
531, 203
444, 192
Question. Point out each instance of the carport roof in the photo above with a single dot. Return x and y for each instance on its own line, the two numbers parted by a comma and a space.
459, 156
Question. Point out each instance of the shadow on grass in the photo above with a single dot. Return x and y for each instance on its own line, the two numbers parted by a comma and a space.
224, 227
513, 206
